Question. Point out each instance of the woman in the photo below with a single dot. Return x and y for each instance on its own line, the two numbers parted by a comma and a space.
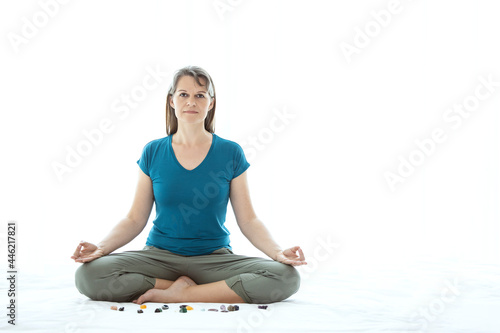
190, 174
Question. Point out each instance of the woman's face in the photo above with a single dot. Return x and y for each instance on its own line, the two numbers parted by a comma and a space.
191, 101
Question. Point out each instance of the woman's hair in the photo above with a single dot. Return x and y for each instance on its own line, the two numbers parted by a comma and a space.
197, 73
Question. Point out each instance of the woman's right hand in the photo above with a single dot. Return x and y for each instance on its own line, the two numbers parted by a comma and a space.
86, 252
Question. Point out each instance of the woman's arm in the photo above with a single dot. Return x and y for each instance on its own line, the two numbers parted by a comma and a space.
257, 233
253, 228
124, 232
127, 229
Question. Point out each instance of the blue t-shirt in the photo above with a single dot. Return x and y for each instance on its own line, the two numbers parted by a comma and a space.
191, 205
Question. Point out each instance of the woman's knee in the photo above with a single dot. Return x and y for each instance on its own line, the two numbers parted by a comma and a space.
98, 280
268, 285
287, 285
93, 280
86, 279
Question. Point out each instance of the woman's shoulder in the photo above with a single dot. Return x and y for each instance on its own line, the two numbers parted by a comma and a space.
157, 142
227, 143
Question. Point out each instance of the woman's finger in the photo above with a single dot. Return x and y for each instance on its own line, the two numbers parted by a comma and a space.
84, 260
289, 261
301, 255
77, 251
286, 261
296, 263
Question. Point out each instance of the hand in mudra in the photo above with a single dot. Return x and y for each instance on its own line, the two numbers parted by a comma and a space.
86, 252
290, 256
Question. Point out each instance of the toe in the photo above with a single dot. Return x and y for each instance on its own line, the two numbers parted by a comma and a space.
141, 299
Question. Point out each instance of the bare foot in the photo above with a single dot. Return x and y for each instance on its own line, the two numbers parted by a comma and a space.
188, 280
171, 294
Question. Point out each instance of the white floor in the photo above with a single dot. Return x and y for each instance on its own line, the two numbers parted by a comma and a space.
421, 296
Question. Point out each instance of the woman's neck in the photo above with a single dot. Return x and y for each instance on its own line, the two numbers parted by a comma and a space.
191, 136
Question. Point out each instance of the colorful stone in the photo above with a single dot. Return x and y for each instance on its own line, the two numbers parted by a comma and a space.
223, 307
158, 310
263, 307
165, 307
213, 310
114, 307
230, 308
183, 310
121, 309
140, 311
189, 307
143, 306
236, 307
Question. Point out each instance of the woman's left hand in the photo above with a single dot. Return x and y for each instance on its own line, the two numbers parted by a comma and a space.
290, 256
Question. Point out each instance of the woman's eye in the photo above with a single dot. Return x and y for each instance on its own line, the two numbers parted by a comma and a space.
201, 95
182, 94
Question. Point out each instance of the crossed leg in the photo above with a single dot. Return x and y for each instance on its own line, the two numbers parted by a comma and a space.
186, 290
156, 275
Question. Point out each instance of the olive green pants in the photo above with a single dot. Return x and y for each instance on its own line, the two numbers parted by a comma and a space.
123, 277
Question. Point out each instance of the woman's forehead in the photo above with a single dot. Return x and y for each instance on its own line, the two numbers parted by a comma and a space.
188, 81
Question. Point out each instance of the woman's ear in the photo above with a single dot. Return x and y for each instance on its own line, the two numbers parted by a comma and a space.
211, 106
171, 102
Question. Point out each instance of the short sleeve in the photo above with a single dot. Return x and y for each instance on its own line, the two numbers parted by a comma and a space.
240, 162
145, 160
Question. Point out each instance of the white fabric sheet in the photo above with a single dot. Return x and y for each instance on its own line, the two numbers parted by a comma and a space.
419, 296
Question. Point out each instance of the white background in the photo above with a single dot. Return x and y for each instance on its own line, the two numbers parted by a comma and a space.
319, 179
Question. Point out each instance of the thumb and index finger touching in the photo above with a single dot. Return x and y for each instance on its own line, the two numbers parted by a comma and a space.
78, 255
296, 249
295, 256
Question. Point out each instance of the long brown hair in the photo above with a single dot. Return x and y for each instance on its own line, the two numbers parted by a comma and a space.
197, 73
